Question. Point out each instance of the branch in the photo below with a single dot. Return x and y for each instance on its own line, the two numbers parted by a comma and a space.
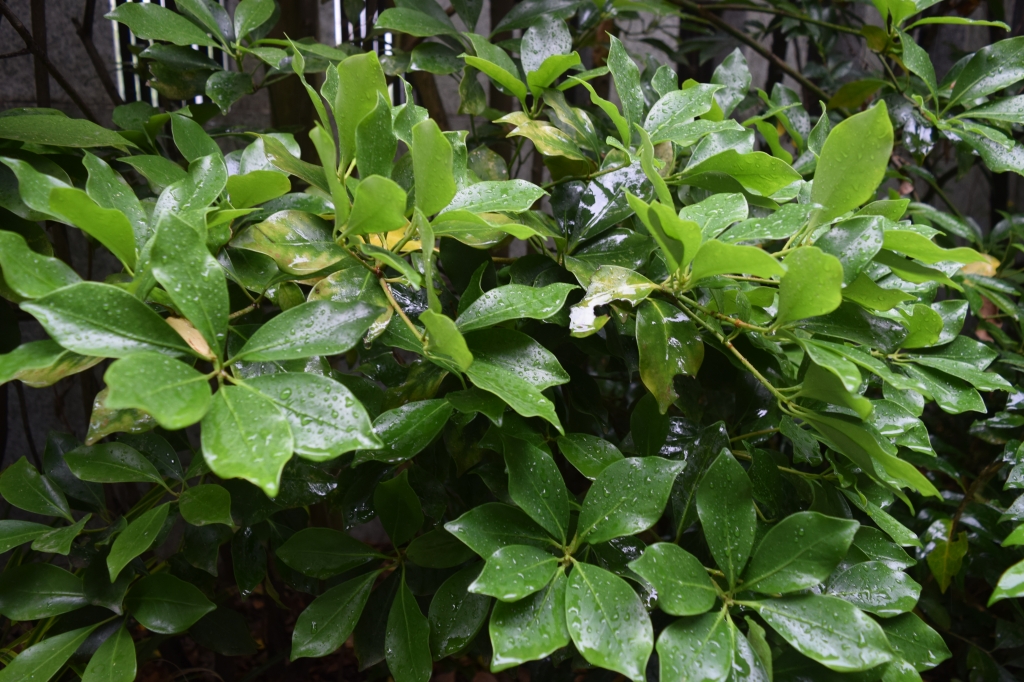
26, 36
706, 13
84, 30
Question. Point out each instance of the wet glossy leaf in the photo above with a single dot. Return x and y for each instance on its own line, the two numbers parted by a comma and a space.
589, 454
800, 551
669, 345
513, 301
607, 621
946, 559
489, 527
812, 285
175, 394
683, 585
717, 258
15, 533
531, 628
153, 22
609, 283
726, 512
32, 591
360, 80
256, 187
60, 131
112, 463
42, 363
43, 660
323, 552
854, 242
28, 273
515, 572
135, 539
432, 165
991, 68
313, 328
329, 620
696, 648
165, 604
300, 243
456, 615
874, 587
515, 368
445, 340
828, 630
22, 486
325, 417
205, 504
399, 508
407, 639
913, 641
114, 661
513, 196
757, 172
852, 162
535, 484
379, 206
99, 319
245, 435
406, 430
628, 496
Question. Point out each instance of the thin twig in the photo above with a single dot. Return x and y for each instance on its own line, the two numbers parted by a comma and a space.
26, 36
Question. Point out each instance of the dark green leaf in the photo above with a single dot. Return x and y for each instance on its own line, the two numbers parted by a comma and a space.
22, 486
456, 615
698, 648
682, 584
313, 328
175, 394
406, 430
41, 661
589, 454
489, 527
114, 661
874, 587
323, 552
329, 620
399, 508
202, 505
33, 591
407, 639
515, 572
165, 604
669, 345
529, 629
112, 463
135, 539
727, 514
628, 497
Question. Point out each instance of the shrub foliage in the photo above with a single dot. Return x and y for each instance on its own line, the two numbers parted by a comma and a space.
704, 428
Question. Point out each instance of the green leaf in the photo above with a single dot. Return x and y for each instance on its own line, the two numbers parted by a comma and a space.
683, 586
413, 22
918, 62
28, 273
697, 648
393, 260
279, 155
406, 430
379, 206
799, 552
438, 549
679, 107
726, 511
328, 621
535, 484
916, 245
165, 604
759, 173
589, 454
852, 163
628, 497
609, 283
60, 131
547, 37
42, 363
15, 533
245, 435
854, 242
513, 196
324, 552
531, 628
946, 558
719, 258
489, 527
514, 367
865, 293
251, 14
456, 615
157, 23
513, 302
59, 540
398, 508
135, 539
827, 630
924, 326
102, 320
256, 187
821, 384
114, 661
915, 642
874, 587
627, 82
300, 243
515, 572
41, 661
112, 463
812, 285
360, 81
607, 621
992, 68
326, 419
108, 226
407, 639
37, 590
445, 340
22, 486
202, 505
432, 166
669, 345
227, 87
172, 392
312, 328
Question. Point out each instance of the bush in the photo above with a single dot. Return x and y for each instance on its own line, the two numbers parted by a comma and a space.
683, 437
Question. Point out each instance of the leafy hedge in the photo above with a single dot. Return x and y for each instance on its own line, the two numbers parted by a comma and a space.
683, 437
